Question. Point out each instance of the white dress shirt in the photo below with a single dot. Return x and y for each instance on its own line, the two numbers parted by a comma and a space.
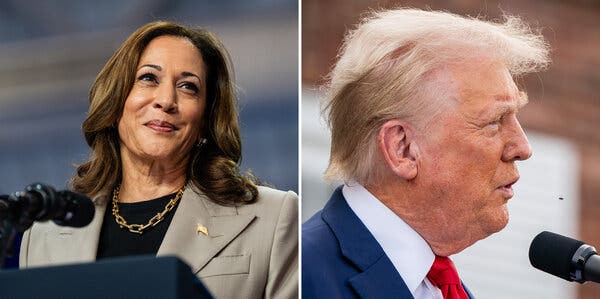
410, 254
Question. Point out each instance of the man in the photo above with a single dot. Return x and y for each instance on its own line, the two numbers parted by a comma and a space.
422, 108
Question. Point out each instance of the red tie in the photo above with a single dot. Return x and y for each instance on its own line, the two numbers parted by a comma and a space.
444, 276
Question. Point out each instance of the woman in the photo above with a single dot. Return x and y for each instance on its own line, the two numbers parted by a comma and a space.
163, 172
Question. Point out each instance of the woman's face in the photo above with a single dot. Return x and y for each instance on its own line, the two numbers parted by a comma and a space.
162, 117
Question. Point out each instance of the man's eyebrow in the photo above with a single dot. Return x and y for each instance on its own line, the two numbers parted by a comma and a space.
512, 104
154, 66
523, 99
505, 107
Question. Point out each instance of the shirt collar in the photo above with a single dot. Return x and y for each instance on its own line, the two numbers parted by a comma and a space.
409, 252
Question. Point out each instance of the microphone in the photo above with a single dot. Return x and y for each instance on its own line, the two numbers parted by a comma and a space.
41, 202
565, 257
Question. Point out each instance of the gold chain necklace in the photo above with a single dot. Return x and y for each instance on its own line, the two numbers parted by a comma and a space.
139, 228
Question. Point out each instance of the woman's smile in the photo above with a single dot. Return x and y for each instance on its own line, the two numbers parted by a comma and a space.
161, 126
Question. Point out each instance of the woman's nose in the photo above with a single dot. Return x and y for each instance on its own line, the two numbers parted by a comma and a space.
165, 98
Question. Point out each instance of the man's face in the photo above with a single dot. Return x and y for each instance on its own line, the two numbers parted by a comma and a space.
467, 164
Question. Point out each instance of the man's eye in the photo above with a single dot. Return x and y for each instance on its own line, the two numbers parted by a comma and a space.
494, 125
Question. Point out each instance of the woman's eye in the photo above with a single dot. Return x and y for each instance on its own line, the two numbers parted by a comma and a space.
148, 77
191, 86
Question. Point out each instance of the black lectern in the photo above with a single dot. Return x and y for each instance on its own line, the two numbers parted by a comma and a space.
130, 277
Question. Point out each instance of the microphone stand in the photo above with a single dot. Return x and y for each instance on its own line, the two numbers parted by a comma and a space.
8, 230
17, 212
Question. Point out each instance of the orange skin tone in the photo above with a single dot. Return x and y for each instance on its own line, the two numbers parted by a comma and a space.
451, 181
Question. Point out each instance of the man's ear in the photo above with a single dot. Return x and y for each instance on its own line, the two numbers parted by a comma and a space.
398, 148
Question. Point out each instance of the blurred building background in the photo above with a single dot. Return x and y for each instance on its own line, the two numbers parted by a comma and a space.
51, 51
561, 120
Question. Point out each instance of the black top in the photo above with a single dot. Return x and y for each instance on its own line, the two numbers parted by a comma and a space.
115, 241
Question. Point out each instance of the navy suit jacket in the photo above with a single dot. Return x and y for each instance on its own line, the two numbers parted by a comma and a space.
342, 259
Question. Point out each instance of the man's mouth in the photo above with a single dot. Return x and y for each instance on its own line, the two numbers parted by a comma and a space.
507, 189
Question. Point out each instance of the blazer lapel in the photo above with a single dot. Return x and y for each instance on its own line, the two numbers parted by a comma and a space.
378, 277
76, 245
201, 228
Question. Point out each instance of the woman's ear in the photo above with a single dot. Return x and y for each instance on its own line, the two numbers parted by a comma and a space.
398, 148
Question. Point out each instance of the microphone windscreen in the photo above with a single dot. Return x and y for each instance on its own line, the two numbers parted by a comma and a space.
552, 253
80, 210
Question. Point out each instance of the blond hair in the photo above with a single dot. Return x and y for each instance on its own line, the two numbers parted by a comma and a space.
382, 69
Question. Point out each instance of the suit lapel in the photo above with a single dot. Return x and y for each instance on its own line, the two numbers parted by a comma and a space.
467, 290
185, 239
76, 245
377, 278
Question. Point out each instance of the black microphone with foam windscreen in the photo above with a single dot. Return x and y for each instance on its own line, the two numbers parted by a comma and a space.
40, 202
565, 257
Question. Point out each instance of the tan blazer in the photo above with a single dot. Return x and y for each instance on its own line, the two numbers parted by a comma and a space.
250, 251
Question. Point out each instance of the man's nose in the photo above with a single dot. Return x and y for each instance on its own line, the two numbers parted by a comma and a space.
517, 148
